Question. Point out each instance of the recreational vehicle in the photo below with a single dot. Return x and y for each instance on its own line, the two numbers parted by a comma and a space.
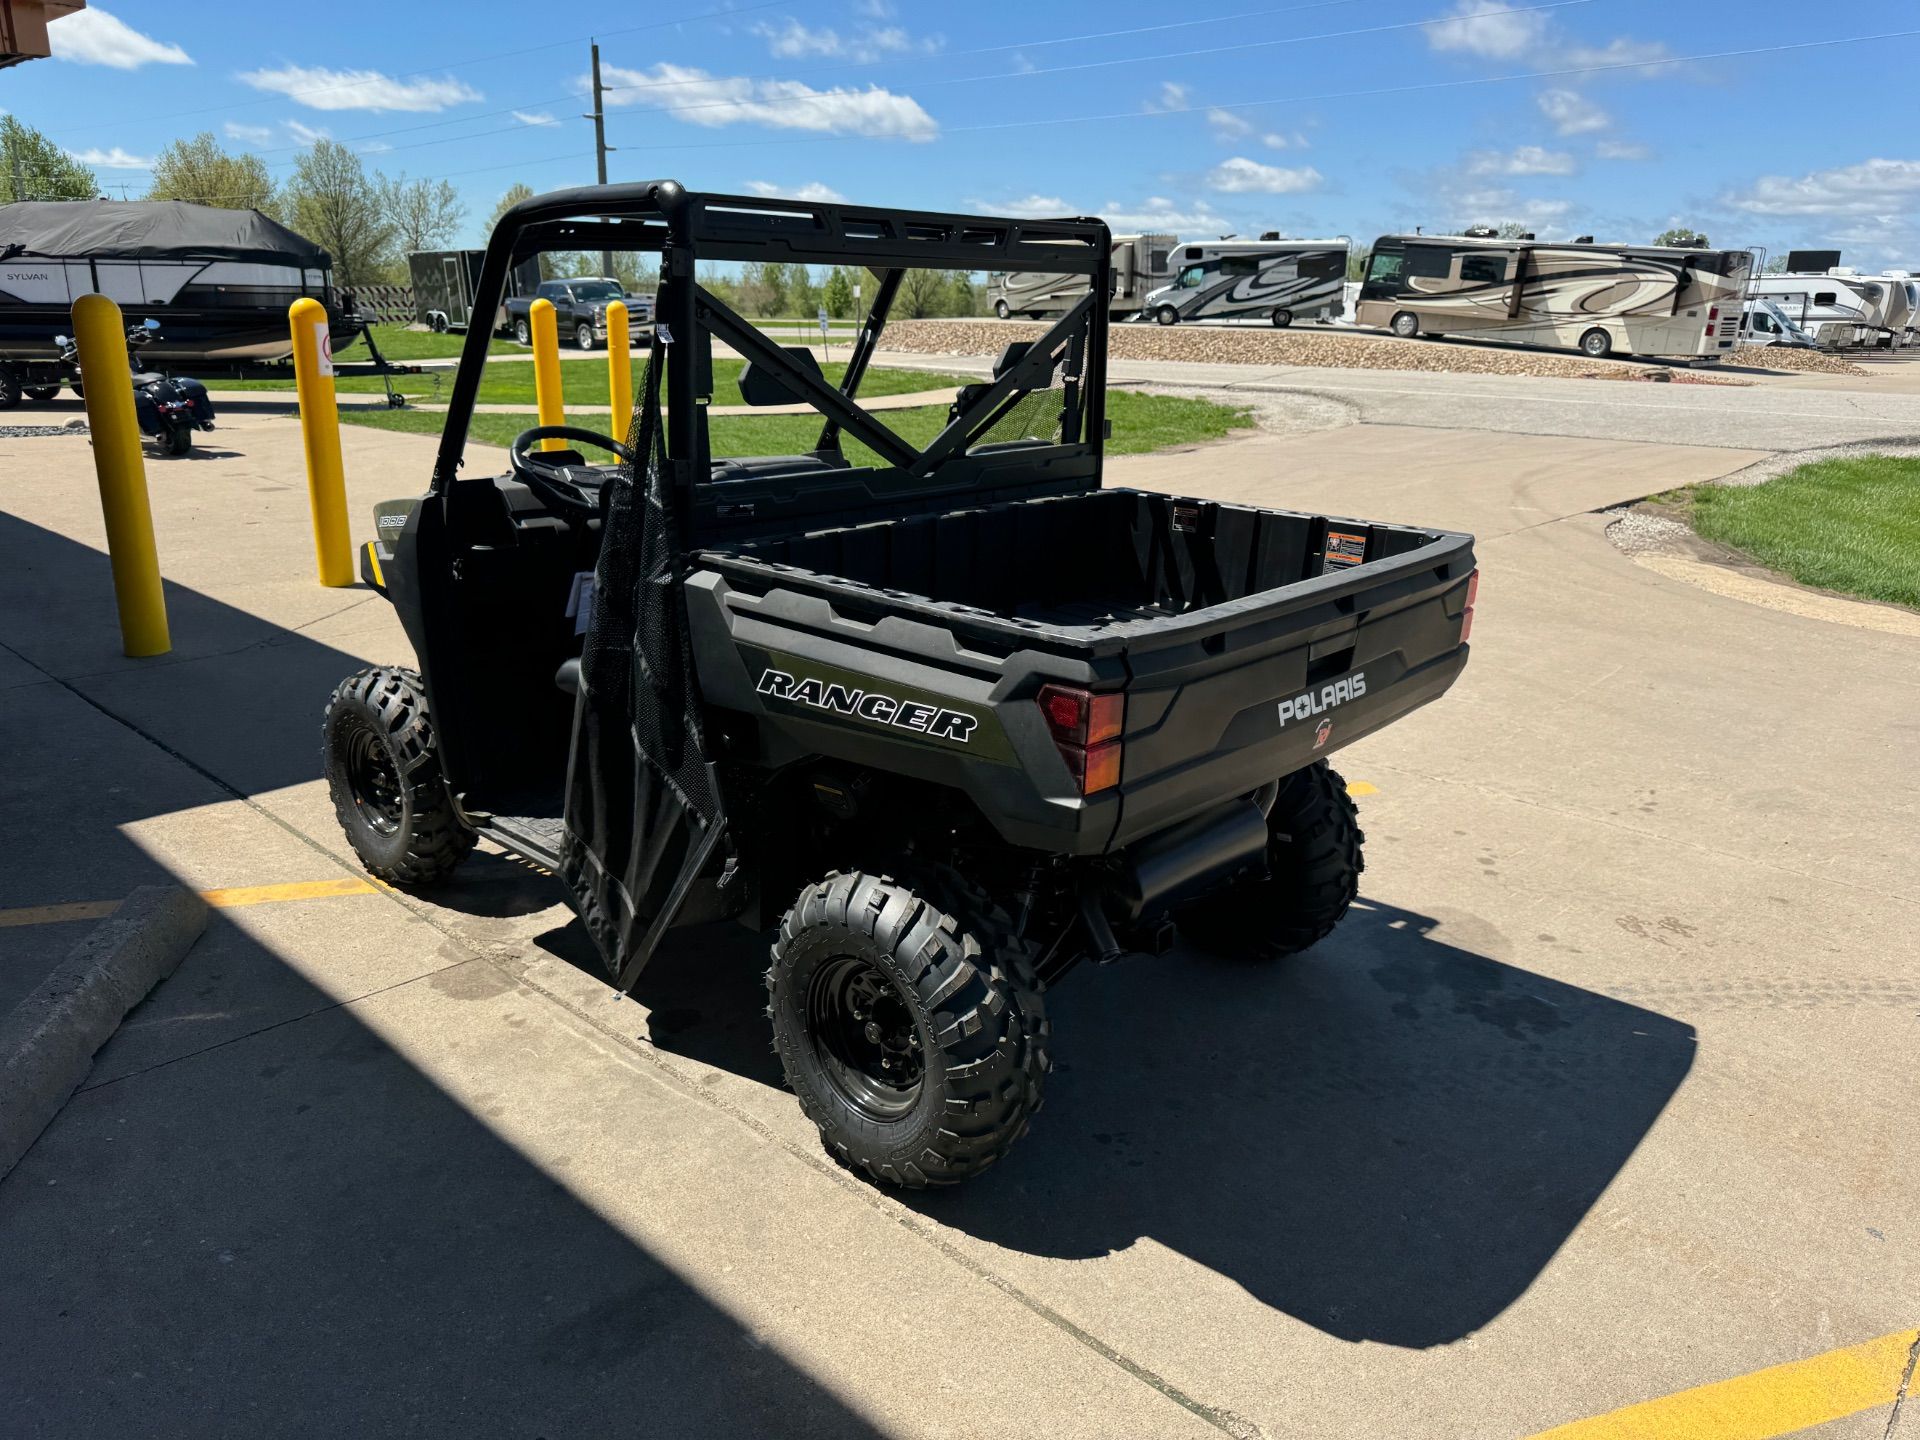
1277, 280
1763, 322
1139, 265
1836, 310
1600, 299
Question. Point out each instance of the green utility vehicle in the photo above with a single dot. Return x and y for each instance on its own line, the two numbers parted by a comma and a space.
949, 718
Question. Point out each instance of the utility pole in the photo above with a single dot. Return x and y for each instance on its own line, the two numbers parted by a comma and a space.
599, 118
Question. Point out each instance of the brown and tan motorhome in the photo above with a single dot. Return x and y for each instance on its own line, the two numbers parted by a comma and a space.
1600, 299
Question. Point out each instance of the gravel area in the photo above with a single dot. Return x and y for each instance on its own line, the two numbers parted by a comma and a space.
1638, 533
1780, 357
1763, 470
29, 432
1249, 345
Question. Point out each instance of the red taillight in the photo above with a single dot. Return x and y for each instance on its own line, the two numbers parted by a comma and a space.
1473, 593
1087, 728
1713, 312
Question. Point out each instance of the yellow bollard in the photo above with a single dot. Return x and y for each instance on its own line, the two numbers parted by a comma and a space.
320, 435
546, 369
619, 371
101, 332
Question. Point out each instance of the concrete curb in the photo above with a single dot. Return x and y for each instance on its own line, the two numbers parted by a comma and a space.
47, 1042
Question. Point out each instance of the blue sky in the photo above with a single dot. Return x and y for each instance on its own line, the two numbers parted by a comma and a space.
1337, 117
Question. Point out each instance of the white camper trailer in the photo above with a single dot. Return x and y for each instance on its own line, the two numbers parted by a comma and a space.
1269, 279
1599, 299
1139, 265
1836, 310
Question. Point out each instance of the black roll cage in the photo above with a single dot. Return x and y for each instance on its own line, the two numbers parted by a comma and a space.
681, 226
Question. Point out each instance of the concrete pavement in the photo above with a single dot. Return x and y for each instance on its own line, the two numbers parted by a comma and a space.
1597, 1096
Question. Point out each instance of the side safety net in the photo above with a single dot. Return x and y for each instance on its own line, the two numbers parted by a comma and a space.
643, 805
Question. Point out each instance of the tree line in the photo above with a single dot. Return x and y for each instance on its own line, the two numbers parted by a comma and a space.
368, 221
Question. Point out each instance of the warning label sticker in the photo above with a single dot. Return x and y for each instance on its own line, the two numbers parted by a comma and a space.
1343, 549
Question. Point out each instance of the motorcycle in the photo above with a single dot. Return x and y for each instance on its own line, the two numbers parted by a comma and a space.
169, 407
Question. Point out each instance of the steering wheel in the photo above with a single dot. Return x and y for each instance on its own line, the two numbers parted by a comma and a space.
550, 480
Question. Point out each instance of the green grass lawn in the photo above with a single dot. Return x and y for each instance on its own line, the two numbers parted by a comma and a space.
1850, 525
1141, 423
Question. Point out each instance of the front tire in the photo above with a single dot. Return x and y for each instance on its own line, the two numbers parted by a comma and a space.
911, 1028
1282, 319
1167, 315
383, 772
1596, 344
1406, 325
583, 336
9, 392
1314, 860
42, 394
1003, 310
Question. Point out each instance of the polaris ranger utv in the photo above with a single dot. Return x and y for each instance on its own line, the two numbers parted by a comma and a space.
949, 715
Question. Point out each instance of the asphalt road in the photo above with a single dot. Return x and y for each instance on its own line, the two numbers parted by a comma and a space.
1602, 1093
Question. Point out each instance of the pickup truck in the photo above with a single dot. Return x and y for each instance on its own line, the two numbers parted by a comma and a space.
949, 717
580, 309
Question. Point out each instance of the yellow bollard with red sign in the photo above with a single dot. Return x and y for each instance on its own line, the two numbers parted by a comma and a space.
99, 330
320, 435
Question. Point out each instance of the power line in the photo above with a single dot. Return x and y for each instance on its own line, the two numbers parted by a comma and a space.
814, 98
725, 12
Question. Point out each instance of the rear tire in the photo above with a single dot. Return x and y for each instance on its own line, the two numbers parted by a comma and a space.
178, 441
1406, 325
1167, 315
522, 333
1596, 344
9, 392
1282, 319
911, 1028
383, 772
42, 394
1314, 860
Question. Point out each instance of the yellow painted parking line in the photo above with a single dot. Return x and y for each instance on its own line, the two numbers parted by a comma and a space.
219, 899
1357, 788
1767, 1403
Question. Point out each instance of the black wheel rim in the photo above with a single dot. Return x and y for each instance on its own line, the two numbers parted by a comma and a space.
373, 781
865, 1037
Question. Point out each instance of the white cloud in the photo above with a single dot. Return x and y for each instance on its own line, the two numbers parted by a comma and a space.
1654, 57
1027, 207
1621, 150
1525, 160
375, 147
249, 134
1227, 125
813, 191
1158, 214
1489, 29
534, 117
1170, 96
700, 98
114, 159
93, 37
1571, 112
1240, 176
319, 88
1881, 189
794, 41
308, 134
1295, 141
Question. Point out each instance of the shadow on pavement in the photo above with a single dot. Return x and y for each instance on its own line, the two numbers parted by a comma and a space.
1387, 1138
301, 1233
255, 1227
